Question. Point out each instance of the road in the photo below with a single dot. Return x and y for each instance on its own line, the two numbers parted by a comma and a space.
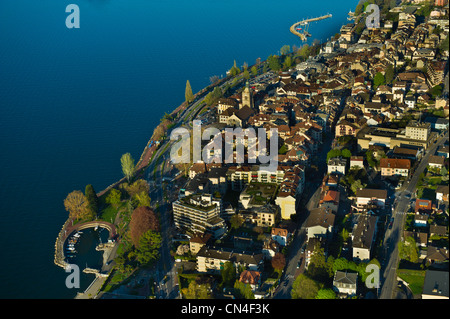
393, 235
312, 191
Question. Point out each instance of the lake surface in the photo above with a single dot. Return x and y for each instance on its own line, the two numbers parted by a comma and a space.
72, 101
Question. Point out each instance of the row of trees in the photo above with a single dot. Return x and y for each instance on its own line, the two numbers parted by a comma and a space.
85, 206
339, 153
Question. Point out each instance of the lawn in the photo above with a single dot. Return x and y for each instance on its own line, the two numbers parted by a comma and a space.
109, 213
414, 278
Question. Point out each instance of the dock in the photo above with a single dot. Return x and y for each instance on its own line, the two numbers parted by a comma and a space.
305, 25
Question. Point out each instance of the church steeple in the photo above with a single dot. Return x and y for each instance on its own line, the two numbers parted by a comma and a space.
247, 97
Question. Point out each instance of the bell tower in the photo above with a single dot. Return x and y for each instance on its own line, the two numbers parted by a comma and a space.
247, 98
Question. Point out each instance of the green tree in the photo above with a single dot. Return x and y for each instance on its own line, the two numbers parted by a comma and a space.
333, 153
136, 187
389, 74
318, 267
236, 221
149, 245
274, 62
346, 153
114, 197
371, 160
357, 185
142, 199
287, 63
359, 8
344, 235
436, 91
243, 291
285, 49
304, 51
189, 96
127, 166
254, 70
234, 69
228, 274
92, 199
304, 288
378, 80
197, 290
246, 74
326, 293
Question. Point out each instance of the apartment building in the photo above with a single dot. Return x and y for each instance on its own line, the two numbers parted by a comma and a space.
363, 236
199, 213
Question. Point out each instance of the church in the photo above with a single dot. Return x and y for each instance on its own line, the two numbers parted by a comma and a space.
234, 113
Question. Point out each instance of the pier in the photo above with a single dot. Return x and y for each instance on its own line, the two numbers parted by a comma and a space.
304, 34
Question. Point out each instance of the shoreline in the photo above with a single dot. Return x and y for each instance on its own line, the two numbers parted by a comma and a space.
142, 164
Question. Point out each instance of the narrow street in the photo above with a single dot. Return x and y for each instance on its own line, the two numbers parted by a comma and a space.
312, 193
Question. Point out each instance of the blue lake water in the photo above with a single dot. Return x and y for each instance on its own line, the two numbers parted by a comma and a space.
72, 101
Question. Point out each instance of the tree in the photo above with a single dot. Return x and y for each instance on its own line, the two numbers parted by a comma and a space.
127, 166
359, 9
333, 153
188, 95
92, 199
436, 91
137, 187
246, 74
318, 268
143, 219
114, 197
149, 244
304, 288
344, 235
243, 291
389, 74
254, 70
274, 62
304, 51
378, 80
143, 199
278, 262
234, 69
197, 290
228, 274
77, 205
326, 293
371, 160
357, 185
285, 49
236, 221
346, 153
287, 62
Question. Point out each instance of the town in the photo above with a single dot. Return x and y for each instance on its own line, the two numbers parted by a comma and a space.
361, 181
